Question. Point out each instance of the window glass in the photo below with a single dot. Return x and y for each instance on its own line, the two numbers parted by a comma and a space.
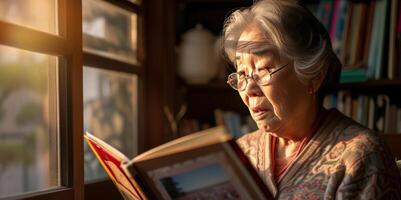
28, 122
109, 31
110, 103
38, 14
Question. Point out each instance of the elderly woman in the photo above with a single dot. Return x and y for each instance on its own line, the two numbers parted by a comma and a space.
284, 62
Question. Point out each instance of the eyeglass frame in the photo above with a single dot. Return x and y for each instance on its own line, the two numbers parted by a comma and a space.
252, 76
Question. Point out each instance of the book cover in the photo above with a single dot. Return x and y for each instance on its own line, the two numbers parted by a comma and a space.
232, 121
204, 165
398, 43
381, 112
369, 24
392, 65
362, 30
324, 12
355, 21
376, 47
380, 63
334, 19
337, 34
353, 75
112, 161
372, 110
347, 33
391, 125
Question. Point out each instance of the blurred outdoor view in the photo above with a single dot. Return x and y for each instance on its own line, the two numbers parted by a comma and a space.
110, 113
110, 97
28, 121
37, 14
29, 101
109, 31
28, 104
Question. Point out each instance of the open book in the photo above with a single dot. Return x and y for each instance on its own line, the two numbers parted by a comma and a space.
204, 165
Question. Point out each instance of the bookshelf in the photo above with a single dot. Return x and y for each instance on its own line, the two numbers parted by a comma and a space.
366, 37
389, 85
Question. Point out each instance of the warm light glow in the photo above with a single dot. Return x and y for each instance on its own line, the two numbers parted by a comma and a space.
28, 121
37, 14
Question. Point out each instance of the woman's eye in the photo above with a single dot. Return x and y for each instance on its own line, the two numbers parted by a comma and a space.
240, 74
264, 69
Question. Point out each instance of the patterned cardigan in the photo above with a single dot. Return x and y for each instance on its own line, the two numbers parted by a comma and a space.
343, 160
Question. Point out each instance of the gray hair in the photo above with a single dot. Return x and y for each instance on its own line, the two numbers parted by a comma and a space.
294, 32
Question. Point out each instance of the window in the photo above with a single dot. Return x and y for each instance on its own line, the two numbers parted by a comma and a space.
110, 112
40, 15
47, 72
111, 78
40, 59
28, 121
109, 31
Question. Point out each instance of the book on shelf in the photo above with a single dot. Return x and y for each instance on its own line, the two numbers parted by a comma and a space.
364, 35
358, 17
236, 124
338, 25
353, 75
398, 42
392, 63
325, 12
378, 113
377, 40
381, 112
371, 112
203, 165
232, 122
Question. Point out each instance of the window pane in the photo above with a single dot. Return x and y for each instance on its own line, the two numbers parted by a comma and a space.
109, 31
110, 113
38, 14
28, 122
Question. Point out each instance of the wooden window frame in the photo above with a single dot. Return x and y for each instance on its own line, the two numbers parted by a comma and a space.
67, 45
105, 189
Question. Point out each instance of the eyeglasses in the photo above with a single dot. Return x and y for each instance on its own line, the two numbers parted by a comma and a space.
240, 81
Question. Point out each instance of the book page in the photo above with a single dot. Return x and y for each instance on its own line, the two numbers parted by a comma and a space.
110, 149
192, 141
112, 160
210, 172
205, 177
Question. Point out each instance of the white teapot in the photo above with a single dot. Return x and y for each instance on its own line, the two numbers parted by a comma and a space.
197, 57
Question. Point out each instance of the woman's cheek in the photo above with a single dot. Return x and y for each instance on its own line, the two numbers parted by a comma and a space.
278, 100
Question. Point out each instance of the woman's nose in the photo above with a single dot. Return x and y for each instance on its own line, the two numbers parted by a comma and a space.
252, 89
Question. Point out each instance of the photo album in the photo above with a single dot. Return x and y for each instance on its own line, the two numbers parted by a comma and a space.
204, 165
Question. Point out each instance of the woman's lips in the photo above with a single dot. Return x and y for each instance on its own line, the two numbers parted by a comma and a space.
259, 114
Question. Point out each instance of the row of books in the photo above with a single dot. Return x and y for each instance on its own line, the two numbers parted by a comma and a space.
366, 36
236, 124
375, 112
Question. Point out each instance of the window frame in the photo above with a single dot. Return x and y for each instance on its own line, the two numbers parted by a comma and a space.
93, 188
67, 45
